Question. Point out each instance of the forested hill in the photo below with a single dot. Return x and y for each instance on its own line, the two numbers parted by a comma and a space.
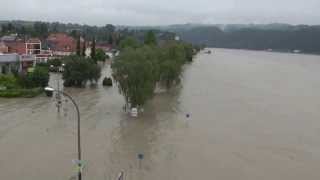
279, 37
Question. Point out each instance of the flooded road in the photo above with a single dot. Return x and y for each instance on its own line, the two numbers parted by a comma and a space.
253, 115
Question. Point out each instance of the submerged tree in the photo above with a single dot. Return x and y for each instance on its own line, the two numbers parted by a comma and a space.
79, 70
171, 59
139, 69
135, 71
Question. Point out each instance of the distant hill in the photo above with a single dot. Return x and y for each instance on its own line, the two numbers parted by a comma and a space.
278, 37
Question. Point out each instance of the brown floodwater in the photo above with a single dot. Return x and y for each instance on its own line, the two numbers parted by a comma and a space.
253, 116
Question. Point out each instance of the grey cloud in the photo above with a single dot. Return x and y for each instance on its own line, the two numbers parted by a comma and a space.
148, 12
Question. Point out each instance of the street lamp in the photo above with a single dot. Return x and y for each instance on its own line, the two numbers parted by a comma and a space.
49, 92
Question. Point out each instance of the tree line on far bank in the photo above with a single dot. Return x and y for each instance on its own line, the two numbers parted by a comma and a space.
141, 67
303, 38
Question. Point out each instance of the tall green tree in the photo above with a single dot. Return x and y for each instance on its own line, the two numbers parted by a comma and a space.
129, 42
78, 45
110, 39
40, 30
84, 47
171, 59
110, 28
93, 49
100, 55
150, 38
135, 71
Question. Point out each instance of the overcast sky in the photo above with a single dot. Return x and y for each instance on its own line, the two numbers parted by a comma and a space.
163, 12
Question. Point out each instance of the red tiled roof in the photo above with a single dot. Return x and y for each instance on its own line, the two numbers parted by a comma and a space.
61, 42
104, 46
34, 40
16, 47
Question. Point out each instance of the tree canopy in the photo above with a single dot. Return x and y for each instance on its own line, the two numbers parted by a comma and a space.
136, 74
129, 42
100, 55
138, 70
150, 38
79, 70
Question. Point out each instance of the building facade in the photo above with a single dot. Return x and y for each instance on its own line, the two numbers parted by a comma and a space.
10, 63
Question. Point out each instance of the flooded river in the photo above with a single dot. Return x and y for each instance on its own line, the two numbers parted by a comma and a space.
253, 116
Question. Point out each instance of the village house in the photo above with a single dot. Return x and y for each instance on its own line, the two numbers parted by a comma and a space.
33, 46
18, 47
104, 46
9, 38
107, 48
27, 61
10, 63
61, 44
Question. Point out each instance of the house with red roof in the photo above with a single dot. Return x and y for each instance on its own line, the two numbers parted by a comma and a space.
104, 46
33, 46
18, 47
61, 44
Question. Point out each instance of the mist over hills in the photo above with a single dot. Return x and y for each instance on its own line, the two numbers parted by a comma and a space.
276, 36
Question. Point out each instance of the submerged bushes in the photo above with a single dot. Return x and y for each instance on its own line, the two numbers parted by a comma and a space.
79, 70
139, 69
24, 85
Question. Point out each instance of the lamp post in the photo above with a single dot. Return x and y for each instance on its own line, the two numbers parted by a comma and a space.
49, 91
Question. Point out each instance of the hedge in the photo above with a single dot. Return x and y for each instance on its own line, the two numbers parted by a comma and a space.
28, 93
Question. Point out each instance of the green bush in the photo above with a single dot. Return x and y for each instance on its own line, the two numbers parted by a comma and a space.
28, 93
38, 78
100, 55
55, 62
8, 81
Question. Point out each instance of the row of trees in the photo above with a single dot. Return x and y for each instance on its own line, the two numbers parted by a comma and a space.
141, 67
37, 29
95, 54
108, 34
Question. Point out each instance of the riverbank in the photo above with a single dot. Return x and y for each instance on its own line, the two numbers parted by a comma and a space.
269, 50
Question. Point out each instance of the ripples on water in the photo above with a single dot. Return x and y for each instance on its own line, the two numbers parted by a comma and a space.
253, 115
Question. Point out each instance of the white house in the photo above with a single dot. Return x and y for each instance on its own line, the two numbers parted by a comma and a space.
9, 63
13, 62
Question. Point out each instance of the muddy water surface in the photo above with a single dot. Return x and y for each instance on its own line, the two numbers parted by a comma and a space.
253, 115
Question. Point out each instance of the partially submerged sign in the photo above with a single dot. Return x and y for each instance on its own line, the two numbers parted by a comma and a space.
79, 165
134, 112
